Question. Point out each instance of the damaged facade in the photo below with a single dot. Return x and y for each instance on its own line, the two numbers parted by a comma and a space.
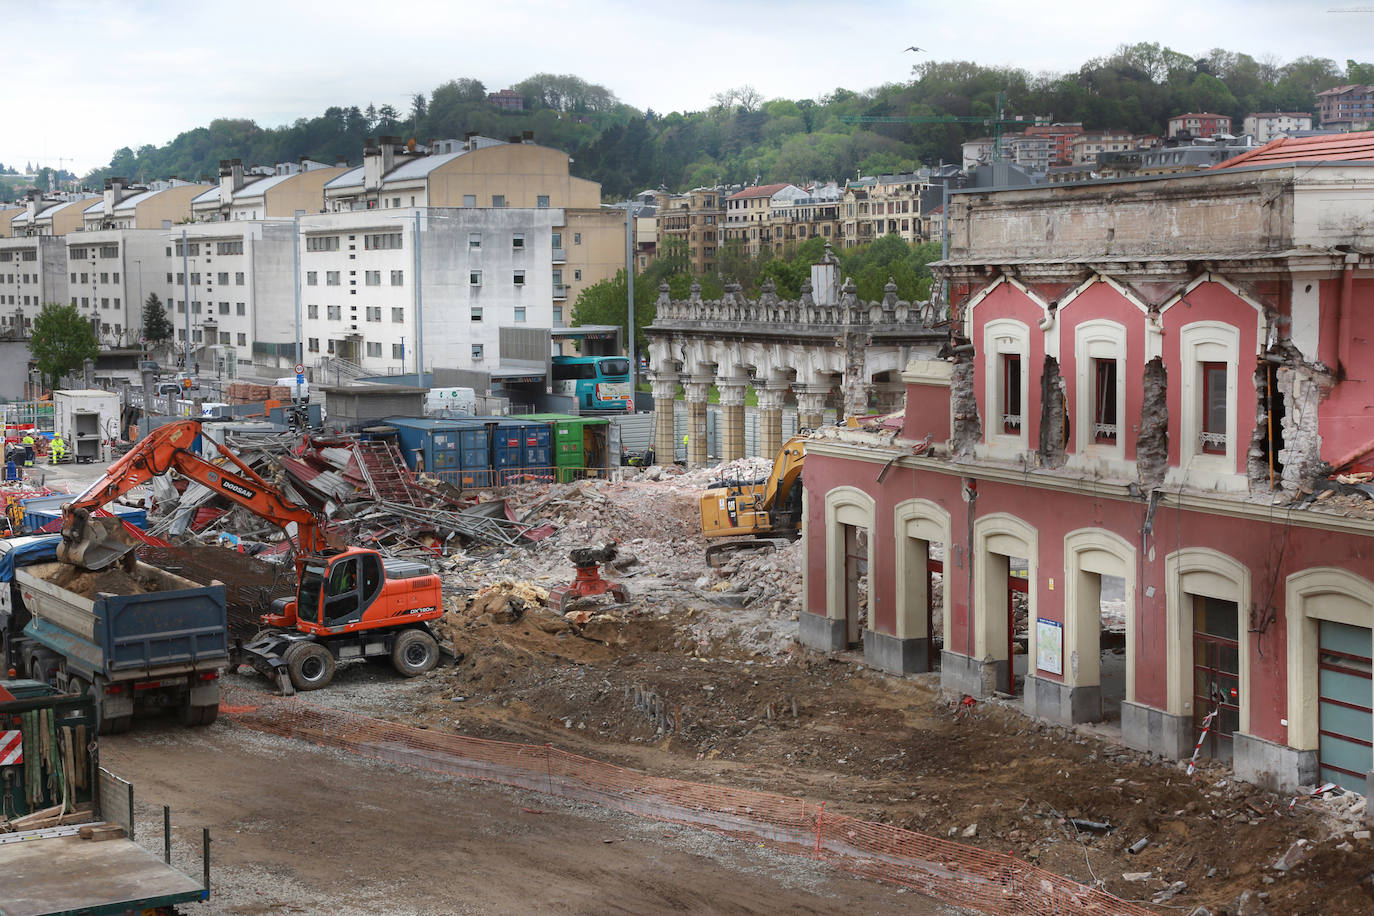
826, 349
1113, 501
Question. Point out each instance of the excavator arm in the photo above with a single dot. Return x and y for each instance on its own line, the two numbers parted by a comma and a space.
95, 543
787, 467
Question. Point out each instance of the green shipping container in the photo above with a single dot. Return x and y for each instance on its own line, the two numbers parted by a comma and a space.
578, 442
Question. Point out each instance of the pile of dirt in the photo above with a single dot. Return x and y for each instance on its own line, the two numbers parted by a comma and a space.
115, 581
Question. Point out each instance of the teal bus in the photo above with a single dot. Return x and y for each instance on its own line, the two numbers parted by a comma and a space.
597, 382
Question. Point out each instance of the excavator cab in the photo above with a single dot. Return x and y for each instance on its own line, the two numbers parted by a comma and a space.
338, 591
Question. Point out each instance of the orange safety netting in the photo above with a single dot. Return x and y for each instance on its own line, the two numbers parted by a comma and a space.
956, 873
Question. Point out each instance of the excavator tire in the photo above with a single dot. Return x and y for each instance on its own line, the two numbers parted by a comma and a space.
310, 665
413, 653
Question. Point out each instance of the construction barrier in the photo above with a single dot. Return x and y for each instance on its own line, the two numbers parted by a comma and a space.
496, 478
967, 876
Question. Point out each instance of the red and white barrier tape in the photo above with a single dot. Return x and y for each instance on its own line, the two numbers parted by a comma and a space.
1206, 725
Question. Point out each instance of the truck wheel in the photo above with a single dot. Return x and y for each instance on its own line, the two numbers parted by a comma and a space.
310, 665
414, 652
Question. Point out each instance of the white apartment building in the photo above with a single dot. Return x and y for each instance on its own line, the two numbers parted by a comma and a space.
32, 274
1031, 153
1268, 125
481, 268
241, 292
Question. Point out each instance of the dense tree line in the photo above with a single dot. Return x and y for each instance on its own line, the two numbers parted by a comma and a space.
744, 138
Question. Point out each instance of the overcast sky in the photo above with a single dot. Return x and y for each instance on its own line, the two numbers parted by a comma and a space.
87, 77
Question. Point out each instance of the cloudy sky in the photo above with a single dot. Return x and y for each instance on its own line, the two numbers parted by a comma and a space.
85, 77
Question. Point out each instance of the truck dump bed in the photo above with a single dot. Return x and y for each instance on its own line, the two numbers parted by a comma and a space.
116, 623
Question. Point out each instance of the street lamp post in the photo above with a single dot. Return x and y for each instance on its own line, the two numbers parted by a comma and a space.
142, 341
186, 291
419, 308
296, 281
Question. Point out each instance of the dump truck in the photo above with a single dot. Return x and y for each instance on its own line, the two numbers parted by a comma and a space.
133, 638
68, 830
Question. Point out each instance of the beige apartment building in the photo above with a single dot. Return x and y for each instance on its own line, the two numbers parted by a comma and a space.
125, 207
277, 193
692, 222
7, 213
49, 216
479, 172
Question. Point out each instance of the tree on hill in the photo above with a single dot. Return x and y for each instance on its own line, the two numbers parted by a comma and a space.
61, 341
157, 327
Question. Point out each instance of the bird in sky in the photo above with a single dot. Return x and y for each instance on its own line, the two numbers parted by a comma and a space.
913, 48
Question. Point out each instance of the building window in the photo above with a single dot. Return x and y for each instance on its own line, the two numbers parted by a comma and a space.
398, 315
498, 200
312, 311
382, 241
331, 278
240, 309
476, 352
313, 344
223, 278
242, 339
469, 200
398, 278
374, 313
474, 278
322, 243
518, 240
476, 314
558, 315
335, 313
1212, 438
312, 278
542, 201
1104, 401
372, 277
195, 279
224, 337
577, 273
577, 238
238, 278
474, 240
374, 348
1010, 408
519, 278
235, 247
224, 308
398, 351
519, 314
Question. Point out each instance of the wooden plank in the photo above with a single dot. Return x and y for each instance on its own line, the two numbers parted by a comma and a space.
67, 873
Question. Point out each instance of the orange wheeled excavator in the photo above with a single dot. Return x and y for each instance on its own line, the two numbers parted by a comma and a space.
350, 602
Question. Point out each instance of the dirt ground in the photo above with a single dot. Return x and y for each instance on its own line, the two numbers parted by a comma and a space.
697, 677
300, 829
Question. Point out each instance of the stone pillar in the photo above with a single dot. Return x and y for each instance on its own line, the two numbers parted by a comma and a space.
732, 413
811, 405
770, 418
665, 389
696, 388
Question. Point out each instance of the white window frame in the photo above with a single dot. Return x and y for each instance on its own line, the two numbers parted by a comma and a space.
1005, 337
1198, 343
1094, 340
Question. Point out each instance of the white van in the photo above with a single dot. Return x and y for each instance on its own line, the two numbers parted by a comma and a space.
456, 400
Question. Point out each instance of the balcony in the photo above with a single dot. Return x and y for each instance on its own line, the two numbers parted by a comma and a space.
560, 256
560, 291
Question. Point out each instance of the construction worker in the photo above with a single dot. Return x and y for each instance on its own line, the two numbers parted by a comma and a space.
28, 444
58, 450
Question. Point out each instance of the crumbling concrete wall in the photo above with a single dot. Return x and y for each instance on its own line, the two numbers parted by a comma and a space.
968, 429
1302, 387
1152, 442
1053, 415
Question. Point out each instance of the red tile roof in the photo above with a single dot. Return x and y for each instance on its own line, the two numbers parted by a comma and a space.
1352, 147
766, 190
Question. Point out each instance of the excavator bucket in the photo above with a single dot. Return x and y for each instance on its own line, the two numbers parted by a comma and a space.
92, 542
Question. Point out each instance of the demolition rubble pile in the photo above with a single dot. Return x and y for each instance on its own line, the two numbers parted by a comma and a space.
474, 539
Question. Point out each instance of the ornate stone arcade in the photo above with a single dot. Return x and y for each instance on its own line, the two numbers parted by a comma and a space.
825, 349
